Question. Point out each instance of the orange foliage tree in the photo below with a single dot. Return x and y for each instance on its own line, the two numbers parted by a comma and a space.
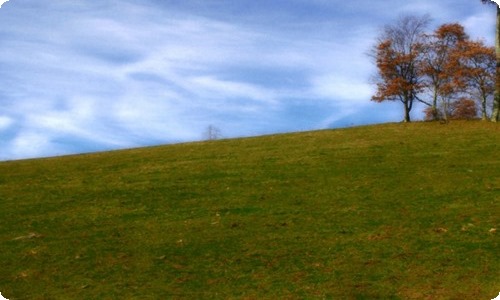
463, 108
475, 66
439, 71
398, 56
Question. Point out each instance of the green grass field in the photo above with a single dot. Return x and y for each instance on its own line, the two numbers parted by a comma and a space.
392, 211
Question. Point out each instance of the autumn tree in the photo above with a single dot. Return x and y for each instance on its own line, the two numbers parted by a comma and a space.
464, 109
496, 103
474, 65
438, 70
398, 57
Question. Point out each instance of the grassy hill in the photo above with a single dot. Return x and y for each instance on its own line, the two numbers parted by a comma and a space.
393, 211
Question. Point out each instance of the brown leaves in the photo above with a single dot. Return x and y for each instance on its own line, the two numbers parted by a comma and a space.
397, 57
464, 109
445, 70
397, 73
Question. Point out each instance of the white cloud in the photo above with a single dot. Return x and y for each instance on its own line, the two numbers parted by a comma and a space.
29, 144
208, 85
5, 122
334, 86
124, 74
481, 25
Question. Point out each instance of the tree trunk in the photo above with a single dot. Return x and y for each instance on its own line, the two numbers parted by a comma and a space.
496, 101
407, 112
484, 115
435, 113
446, 109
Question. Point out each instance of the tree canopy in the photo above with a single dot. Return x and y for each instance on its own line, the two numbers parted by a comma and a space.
398, 57
444, 69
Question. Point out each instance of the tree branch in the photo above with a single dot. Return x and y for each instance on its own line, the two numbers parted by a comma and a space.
422, 101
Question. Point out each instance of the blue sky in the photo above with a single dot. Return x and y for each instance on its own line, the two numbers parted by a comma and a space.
81, 76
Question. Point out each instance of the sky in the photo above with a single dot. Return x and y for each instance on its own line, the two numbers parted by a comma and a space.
81, 76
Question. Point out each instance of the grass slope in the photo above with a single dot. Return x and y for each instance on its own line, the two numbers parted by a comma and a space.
394, 211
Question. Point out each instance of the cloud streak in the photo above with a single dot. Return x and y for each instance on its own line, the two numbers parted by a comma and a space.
82, 76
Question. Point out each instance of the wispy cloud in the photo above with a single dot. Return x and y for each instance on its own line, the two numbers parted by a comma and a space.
85, 76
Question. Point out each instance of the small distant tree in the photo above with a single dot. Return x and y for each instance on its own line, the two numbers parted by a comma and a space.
464, 109
431, 113
212, 133
398, 56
